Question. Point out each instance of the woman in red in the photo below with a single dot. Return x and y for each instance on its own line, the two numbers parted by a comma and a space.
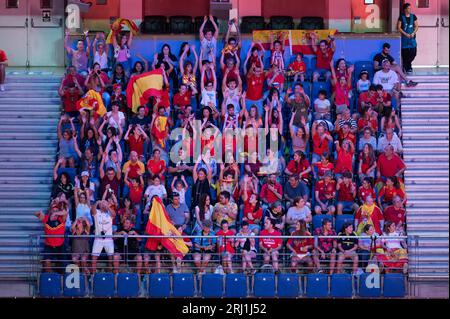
252, 212
342, 88
225, 246
299, 165
369, 119
388, 191
156, 165
300, 247
323, 166
367, 162
366, 189
344, 162
136, 138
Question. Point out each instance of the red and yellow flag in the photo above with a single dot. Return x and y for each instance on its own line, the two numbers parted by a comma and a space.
93, 103
159, 224
141, 87
117, 27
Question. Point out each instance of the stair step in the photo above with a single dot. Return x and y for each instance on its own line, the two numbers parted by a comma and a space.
424, 203
426, 166
26, 202
33, 107
29, 136
30, 158
417, 211
425, 151
29, 100
427, 79
32, 86
35, 144
425, 219
29, 195
419, 128
27, 166
436, 195
25, 173
424, 158
425, 122
33, 79
425, 93
428, 226
32, 180
424, 107
19, 115
428, 99
25, 188
426, 188
427, 86
24, 211
425, 173
23, 93
45, 128
31, 122
406, 114
426, 143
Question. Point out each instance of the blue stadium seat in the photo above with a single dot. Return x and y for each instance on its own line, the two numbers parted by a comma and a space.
183, 285
159, 285
318, 86
128, 285
79, 291
212, 286
50, 285
288, 286
317, 220
236, 286
394, 286
104, 285
341, 286
341, 220
264, 285
316, 285
368, 292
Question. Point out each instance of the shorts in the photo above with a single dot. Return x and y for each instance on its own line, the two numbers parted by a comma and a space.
348, 254
347, 206
100, 244
53, 253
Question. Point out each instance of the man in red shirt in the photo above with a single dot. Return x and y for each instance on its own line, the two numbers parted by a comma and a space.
324, 53
325, 193
270, 246
255, 85
390, 164
70, 95
183, 98
271, 191
396, 214
346, 194
54, 225
367, 99
3, 65
321, 141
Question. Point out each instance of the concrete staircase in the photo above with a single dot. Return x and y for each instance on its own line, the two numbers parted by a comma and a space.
29, 112
425, 120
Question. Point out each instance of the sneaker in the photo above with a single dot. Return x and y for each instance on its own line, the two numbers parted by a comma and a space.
411, 84
2, 88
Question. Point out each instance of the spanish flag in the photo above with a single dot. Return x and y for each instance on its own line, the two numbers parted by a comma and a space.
160, 224
93, 103
117, 27
159, 130
140, 88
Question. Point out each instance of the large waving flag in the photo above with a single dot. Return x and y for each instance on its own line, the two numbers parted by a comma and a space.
117, 26
160, 224
141, 87
92, 102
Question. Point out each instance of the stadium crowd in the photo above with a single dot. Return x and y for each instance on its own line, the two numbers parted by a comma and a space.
338, 152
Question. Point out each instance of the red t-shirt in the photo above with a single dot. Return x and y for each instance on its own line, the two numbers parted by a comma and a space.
270, 242
324, 59
350, 136
156, 167
388, 193
136, 144
3, 57
322, 169
70, 101
136, 194
325, 189
345, 193
344, 162
297, 168
278, 79
53, 228
395, 215
341, 95
182, 100
363, 123
365, 162
268, 195
364, 192
320, 145
300, 245
255, 85
389, 167
298, 66
226, 245
249, 209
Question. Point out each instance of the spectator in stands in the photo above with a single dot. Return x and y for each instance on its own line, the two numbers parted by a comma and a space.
208, 40
388, 79
89, 163
103, 220
390, 164
80, 246
367, 162
366, 189
179, 214
277, 214
252, 211
324, 53
396, 214
383, 99
321, 141
367, 138
300, 247
140, 66
395, 256
62, 182
155, 188
225, 245
119, 76
110, 179
325, 165
369, 119
129, 251
101, 51
118, 98
299, 103
298, 68
3, 65
82, 206
390, 120
246, 245
67, 143
325, 194
325, 250
363, 83
180, 186
298, 212
342, 85
390, 138
346, 194
270, 246
366, 246
54, 225
298, 166
369, 214
408, 26
203, 212
70, 95
299, 135
204, 246
346, 119
388, 191
295, 188
202, 182
80, 56
225, 210
122, 51
345, 154
271, 191
379, 59
277, 50
368, 100
136, 167
347, 246
322, 107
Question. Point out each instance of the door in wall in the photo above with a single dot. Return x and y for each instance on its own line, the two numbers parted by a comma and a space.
32, 32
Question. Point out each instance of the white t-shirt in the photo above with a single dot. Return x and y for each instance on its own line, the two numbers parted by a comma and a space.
182, 194
322, 106
393, 243
209, 97
103, 223
112, 122
153, 190
297, 214
209, 49
386, 79
84, 211
234, 98
101, 59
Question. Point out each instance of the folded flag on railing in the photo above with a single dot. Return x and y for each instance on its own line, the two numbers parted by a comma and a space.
93, 103
117, 26
159, 224
140, 88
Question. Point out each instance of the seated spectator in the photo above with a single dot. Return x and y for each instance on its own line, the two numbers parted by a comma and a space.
395, 254
346, 126
204, 247
270, 246
295, 188
134, 167
390, 120
321, 141
324, 166
390, 138
367, 162
252, 212
324, 53
179, 213
157, 166
365, 247
246, 245
396, 214
347, 246
368, 100
325, 250
325, 194
276, 213
225, 246
345, 154
62, 182
366, 189
367, 138
119, 99
299, 135
298, 68
346, 194
388, 79
363, 83
369, 214
299, 211
390, 164
155, 188
299, 166
80, 245
136, 189
54, 225
387, 193
129, 253
322, 107
82, 206
271, 191
369, 119
203, 212
383, 99
300, 247
103, 220
225, 210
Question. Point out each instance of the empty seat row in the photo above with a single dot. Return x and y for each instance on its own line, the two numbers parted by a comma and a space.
262, 285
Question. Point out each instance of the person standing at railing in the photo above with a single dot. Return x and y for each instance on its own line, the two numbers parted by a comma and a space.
103, 220
54, 225
128, 250
270, 246
204, 247
80, 245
